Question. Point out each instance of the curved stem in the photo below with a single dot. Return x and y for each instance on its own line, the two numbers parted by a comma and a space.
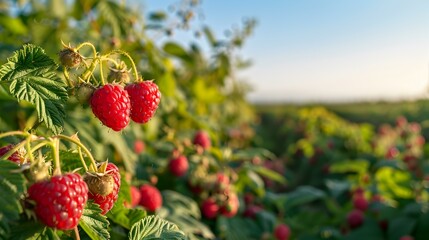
55, 145
101, 73
67, 76
110, 60
82, 159
29, 154
94, 52
38, 146
12, 133
133, 65
76, 233
78, 143
88, 72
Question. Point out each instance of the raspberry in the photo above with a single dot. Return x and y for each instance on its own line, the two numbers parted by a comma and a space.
104, 188
355, 218
202, 139
139, 146
178, 166
282, 232
135, 196
60, 201
230, 208
222, 181
251, 211
151, 198
406, 238
359, 202
111, 104
145, 98
209, 208
14, 157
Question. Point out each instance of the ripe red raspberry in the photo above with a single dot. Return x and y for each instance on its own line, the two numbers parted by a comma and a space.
230, 208
209, 208
178, 166
60, 201
145, 98
111, 104
151, 198
251, 211
355, 218
14, 157
135, 196
282, 232
139, 146
202, 139
359, 202
104, 188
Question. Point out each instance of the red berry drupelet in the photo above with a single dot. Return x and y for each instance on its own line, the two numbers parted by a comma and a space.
106, 201
60, 201
151, 198
14, 157
111, 104
145, 97
178, 166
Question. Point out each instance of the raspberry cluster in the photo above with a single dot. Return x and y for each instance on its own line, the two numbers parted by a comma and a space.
115, 105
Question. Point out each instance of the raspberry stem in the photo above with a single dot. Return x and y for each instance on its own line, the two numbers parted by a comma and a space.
94, 52
133, 65
76, 233
101, 73
79, 144
82, 159
55, 146
13, 133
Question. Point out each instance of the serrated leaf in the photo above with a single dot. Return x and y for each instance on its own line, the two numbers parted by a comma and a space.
12, 185
154, 227
93, 223
124, 216
32, 77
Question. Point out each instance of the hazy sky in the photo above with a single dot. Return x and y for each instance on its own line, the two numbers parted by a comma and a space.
311, 50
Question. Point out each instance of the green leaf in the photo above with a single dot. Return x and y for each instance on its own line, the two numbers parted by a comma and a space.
358, 166
184, 212
237, 228
401, 226
123, 216
268, 173
32, 77
369, 230
303, 195
154, 227
422, 227
12, 185
93, 223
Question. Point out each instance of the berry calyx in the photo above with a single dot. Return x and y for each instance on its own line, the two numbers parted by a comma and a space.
282, 232
69, 57
178, 166
151, 198
104, 187
209, 208
202, 139
60, 201
111, 104
145, 97
119, 74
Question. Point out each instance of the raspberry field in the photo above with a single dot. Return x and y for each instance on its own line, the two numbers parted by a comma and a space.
112, 129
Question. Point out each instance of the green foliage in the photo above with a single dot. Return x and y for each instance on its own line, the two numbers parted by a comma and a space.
30, 75
153, 227
93, 223
12, 186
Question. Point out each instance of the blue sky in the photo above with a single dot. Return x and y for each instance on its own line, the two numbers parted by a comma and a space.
326, 50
